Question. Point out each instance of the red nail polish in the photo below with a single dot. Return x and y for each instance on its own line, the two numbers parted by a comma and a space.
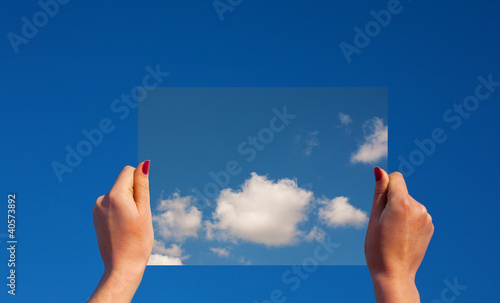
378, 173
145, 167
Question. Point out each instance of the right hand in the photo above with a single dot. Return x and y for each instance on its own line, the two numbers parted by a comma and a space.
124, 230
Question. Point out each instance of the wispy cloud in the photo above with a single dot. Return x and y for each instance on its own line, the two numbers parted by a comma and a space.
244, 261
177, 219
262, 211
345, 122
311, 142
221, 252
374, 148
345, 119
338, 212
316, 234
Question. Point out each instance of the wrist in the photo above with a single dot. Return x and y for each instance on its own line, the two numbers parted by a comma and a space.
125, 275
393, 288
117, 286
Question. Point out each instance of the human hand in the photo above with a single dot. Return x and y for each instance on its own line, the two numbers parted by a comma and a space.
124, 229
399, 231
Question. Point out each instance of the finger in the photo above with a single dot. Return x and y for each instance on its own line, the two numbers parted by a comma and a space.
380, 194
397, 190
125, 181
141, 186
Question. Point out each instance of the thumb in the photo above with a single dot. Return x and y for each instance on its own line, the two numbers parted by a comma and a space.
380, 195
141, 186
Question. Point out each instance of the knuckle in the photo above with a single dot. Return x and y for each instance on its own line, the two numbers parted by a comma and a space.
396, 175
114, 195
128, 167
404, 208
98, 201
97, 206
405, 201
114, 198
419, 208
423, 209
418, 211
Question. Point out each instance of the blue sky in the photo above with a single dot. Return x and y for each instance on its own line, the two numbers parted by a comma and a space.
66, 78
205, 140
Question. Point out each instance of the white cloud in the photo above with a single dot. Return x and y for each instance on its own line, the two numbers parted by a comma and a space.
174, 251
177, 219
316, 234
221, 252
158, 259
162, 255
262, 211
345, 119
338, 212
374, 147
311, 142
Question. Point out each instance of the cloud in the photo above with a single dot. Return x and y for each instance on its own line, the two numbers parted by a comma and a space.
159, 247
221, 252
166, 256
316, 234
262, 211
158, 259
244, 261
224, 253
311, 142
345, 119
177, 219
374, 147
339, 213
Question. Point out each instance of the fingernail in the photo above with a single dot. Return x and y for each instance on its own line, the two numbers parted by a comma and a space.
378, 173
145, 167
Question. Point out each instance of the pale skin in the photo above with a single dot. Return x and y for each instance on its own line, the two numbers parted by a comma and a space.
124, 229
399, 231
